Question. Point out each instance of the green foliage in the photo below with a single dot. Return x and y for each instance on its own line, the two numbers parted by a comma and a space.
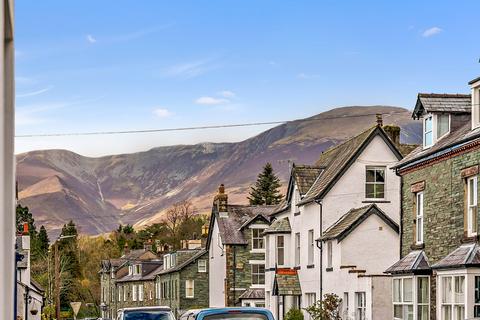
24, 215
266, 189
294, 314
328, 309
42, 243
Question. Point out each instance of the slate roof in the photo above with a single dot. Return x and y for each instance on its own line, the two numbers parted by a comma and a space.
287, 284
305, 176
450, 103
252, 294
279, 226
195, 255
148, 267
352, 219
415, 262
451, 142
467, 255
230, 227
337, 159
281, 207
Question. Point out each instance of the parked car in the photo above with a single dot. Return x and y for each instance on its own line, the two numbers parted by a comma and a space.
145, 313
244, 313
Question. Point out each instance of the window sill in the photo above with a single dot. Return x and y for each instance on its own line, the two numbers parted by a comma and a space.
310, 266
469, 239
417, 246
329, 269
257, 251
376, 201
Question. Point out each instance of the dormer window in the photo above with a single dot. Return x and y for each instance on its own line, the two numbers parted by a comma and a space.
428, 131
435, 127
475, 86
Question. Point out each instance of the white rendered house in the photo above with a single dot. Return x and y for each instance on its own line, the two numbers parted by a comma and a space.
337, 230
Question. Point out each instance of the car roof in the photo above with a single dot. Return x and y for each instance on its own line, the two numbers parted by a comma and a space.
207, 311
161, 308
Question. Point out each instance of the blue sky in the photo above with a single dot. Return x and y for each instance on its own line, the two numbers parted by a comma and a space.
124, 65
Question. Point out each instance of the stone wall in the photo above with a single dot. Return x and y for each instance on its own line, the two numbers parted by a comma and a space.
443, 209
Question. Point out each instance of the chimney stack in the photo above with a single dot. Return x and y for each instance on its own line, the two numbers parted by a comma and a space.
393, 132
379, 120
25, 229
220, 202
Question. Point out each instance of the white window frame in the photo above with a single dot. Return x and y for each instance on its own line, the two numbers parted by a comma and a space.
360, 308
297, 249
119, 293
258, 238
419, 217
437, 137
329, 254
202, 266
472, 207
277, 250
414, 303
375, 183
432, 131
476, 293
125, 293
311, 247
140, 292
453, 304
345, 305
190, 286
134, 292
258, 274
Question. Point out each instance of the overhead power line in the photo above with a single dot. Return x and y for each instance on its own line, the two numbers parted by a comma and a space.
220, 126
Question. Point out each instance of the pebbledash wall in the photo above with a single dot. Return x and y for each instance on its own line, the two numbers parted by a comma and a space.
443, 210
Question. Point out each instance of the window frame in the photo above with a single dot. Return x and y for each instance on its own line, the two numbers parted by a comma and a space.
311, 247
297, 249
375, 182
277, 250
453, 304
134, 292
437, 121
257, 274
419, 217
202, 269
360, 308
472, 217
259, 239
187, 288
330, 254
414, 303
425, 132
140, 292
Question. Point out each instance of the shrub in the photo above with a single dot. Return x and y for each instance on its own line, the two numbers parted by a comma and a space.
294, 314
328, 309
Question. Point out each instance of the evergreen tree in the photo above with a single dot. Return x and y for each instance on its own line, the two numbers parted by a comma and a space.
24, 215
265, 191
42, 242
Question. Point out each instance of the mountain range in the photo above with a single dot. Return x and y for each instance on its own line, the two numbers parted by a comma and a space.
100, 193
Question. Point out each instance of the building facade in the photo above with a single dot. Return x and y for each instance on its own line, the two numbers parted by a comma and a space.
349, 196
116, 287
236, 252
183, 283
438, 276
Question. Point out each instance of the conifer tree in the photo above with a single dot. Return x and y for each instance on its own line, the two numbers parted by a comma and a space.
266, 189
42, 241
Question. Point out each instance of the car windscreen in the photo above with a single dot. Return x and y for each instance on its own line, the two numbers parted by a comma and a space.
148, 315
236, 316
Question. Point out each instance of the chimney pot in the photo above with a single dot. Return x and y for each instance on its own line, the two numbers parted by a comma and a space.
25, 228
379, 120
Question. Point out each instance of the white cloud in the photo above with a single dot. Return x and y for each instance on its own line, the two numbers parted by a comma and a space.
304, 76
227, 94
34, 93
162, 113
431, 32
91, 39
211, 101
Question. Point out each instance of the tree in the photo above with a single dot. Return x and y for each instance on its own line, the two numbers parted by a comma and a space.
294, 314
41, 243
23, 215
328, 309
266, 189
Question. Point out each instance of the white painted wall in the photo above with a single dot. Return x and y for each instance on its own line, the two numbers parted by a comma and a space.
217, 269
367, 247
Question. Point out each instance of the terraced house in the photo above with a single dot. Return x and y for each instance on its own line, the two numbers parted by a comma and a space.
183, 282
438, 276
236, 251
338, 228
112, 270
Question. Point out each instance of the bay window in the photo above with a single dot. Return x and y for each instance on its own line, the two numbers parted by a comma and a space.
411, 298
472, 206
452, 297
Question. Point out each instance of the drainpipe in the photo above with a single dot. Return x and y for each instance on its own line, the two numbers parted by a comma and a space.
234, 274
320, 246
27, 295
401, 212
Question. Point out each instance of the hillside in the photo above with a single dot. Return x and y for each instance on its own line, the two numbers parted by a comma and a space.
100, 193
